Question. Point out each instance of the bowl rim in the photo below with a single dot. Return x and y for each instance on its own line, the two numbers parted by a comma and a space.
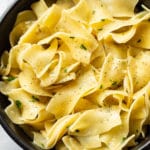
3, 123
9, 130
6, 11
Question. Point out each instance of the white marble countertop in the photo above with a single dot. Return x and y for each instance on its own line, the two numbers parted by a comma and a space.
6, 143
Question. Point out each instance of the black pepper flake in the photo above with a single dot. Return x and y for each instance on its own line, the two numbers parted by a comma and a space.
46, 46
139, 40
77, 130
72, 37
25, 61
102, 19
100, 29
124, 101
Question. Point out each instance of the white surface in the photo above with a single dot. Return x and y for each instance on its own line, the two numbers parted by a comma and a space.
4, 5
6, 143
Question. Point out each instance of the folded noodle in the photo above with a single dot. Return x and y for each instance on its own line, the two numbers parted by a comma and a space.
77, 74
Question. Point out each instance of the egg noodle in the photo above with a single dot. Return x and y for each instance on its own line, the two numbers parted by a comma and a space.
78, 74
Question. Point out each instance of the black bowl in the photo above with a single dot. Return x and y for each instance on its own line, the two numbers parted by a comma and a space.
15, 132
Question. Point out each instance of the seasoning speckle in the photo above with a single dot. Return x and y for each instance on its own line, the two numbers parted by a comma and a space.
77, 130
65, 70
9, 78
34, 98
18, 104
101, 86
139, 40
83, 47
100, 29
102, 19
123, 139
72, 37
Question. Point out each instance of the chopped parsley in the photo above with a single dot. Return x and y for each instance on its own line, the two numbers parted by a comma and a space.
139, 40
34, 98
123, 139
9, 78
18, 104
42, 145
101, 86
83, 47
65, 70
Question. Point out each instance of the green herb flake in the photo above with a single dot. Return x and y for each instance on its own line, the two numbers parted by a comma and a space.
9, 78
123, 139
34, 98
93, 12
101, 86
72, 37
18, 104
139, 40
65, 70
42, 145
83, 47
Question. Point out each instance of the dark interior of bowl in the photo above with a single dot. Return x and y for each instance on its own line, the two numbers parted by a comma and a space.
14, 130
6, 25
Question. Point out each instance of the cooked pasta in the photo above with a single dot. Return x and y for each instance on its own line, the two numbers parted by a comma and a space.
77, 75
